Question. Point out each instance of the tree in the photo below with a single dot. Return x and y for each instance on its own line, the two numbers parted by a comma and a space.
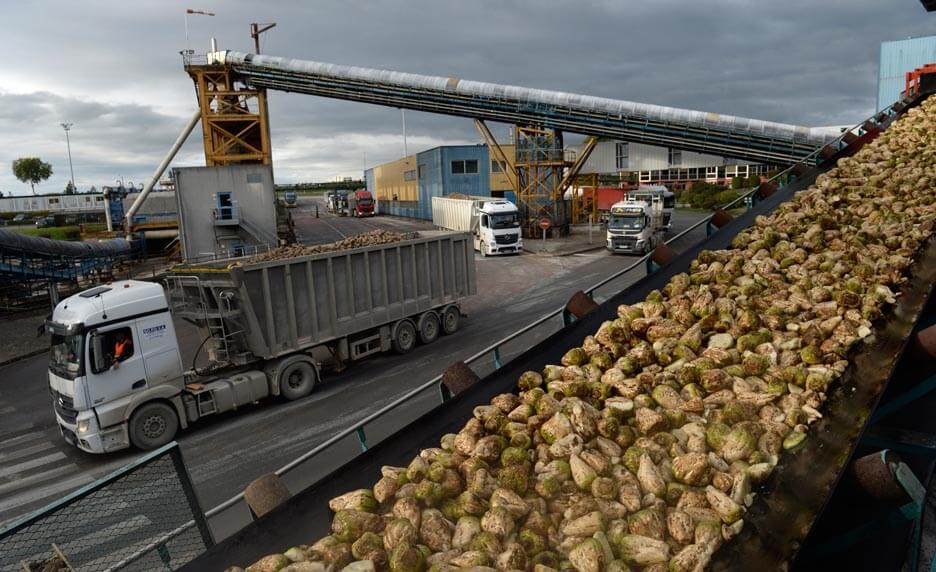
31, 170
69, 188
92, 190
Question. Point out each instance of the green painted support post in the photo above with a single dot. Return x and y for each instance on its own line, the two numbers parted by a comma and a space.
567, 318
652, 266
445, 391
497, 358
362, 438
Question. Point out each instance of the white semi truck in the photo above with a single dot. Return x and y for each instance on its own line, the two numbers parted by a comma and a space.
116, 375
494, 223
635, 227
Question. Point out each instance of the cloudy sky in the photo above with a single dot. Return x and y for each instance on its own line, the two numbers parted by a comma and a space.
113, 69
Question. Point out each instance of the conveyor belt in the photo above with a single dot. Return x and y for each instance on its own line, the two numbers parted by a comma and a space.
786, 506
699, 131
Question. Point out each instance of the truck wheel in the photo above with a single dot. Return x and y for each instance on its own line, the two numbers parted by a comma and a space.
428, 328
297, 378
451, 318
153, 425
483, 251
404, 337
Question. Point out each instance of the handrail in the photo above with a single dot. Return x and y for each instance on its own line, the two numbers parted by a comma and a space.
495, 347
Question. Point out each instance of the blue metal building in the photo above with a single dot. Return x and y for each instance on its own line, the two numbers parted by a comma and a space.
897, 58
439, 172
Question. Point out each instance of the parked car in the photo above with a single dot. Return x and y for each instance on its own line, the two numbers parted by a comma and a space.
45, 222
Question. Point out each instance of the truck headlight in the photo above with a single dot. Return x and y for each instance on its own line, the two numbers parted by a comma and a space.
83, 426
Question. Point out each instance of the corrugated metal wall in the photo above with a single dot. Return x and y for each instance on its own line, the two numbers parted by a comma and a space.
435, 179
898, 58
641, 157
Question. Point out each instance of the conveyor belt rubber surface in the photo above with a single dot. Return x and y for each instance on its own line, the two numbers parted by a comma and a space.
780, 516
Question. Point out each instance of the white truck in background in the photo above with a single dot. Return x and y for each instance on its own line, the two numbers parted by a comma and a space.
636, 227
650, 193
494, 223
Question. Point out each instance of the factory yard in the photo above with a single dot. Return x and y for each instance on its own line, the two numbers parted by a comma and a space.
226, 453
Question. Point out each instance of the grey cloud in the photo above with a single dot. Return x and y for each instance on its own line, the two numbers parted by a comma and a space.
114, 69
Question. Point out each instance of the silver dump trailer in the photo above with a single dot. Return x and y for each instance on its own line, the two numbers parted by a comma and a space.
260, 318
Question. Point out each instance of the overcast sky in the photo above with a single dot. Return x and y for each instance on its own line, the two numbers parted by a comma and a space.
113, 69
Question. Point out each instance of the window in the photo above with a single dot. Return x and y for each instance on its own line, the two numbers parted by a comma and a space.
99, 199
674, 157
621, 156
409, 175
53, 201
467, 167
111, 348
422, 172
498, 166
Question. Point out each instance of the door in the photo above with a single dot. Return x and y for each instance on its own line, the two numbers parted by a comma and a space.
116, 363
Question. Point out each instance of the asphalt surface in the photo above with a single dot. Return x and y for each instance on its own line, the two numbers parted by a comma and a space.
225, 453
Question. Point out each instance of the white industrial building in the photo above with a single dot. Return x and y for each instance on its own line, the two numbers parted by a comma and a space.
53, 203
662, 165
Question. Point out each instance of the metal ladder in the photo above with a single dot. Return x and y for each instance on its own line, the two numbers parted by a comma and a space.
214, 318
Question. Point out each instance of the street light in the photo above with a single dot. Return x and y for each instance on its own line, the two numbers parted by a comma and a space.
67, 127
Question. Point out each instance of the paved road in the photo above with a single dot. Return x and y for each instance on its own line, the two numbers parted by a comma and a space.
225, 453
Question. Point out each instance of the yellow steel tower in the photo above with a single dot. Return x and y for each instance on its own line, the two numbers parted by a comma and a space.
233, 115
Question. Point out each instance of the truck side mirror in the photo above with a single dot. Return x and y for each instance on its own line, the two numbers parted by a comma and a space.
97, 353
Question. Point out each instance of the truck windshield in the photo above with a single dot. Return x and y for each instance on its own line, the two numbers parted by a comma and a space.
626, 222
65, 358
509, 220
365, 202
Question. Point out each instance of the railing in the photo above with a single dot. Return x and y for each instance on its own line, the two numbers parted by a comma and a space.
493, 352
132, 519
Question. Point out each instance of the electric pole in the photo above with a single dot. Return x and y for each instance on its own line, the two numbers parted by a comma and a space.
67, 127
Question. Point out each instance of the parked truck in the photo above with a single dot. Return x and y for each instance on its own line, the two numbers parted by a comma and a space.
494, 223
116, 375
636, 227
337, 202
651, 193
361, 203
289, 198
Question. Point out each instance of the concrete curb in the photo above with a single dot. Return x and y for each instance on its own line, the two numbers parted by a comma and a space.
27, 355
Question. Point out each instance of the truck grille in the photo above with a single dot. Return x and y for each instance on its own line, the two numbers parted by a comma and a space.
64, 406
506, 238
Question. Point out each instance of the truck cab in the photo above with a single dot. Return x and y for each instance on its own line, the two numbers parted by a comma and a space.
113, 348
498, 228
361, 203
635, 227
289, 197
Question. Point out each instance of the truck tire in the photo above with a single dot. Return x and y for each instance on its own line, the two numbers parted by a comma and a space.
297, 377
153, 425
483, 253
404, 337
451, 319
428, 328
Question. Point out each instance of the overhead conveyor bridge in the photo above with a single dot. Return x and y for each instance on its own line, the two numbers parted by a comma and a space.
699, 131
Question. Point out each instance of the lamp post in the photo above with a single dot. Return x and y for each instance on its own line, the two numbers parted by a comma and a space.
67, 127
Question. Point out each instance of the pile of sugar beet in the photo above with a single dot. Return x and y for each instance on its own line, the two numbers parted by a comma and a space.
372, 238
642, 449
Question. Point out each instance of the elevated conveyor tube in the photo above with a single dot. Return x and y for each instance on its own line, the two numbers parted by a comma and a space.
681, 128
38, 246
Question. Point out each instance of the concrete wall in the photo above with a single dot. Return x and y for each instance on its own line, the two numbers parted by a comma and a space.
898, 58
196, 202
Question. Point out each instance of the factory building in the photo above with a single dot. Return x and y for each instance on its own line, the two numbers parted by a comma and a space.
898, 58
405, 187
649, 164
